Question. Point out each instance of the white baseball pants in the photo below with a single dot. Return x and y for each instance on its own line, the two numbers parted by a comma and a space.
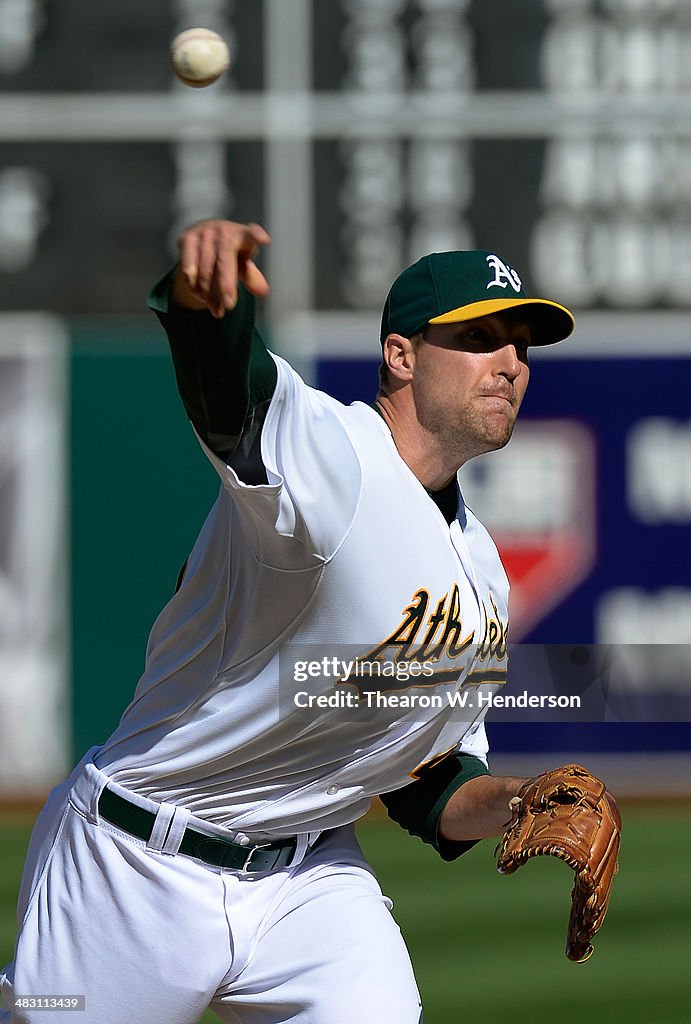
148, 936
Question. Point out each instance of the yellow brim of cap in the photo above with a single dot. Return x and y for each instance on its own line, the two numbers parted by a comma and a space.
556, 320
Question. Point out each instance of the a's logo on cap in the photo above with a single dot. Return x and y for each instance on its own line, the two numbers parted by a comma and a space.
503, 275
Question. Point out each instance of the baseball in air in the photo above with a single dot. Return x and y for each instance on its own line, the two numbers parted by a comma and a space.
199, 56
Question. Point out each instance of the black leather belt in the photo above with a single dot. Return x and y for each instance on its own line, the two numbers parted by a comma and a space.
222, 853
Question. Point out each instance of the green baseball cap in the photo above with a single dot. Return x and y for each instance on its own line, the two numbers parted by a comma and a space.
449, 287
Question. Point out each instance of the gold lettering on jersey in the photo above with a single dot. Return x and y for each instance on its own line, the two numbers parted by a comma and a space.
489, 668
491, 650
420, 651
414, 638
494, 636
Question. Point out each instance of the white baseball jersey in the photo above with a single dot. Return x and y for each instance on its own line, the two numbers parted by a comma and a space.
342, 550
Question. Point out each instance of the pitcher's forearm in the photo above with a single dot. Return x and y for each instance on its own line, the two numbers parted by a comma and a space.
480, 808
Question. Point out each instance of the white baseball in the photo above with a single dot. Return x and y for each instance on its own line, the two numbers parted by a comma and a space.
199, 56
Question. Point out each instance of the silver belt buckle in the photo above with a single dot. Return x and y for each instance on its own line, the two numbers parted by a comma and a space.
250, 855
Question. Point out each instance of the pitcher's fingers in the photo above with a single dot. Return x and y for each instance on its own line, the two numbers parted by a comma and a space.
252, 277
212, 242
188, 244
260, 234
222, 294
224, 284
235, 244
253, 236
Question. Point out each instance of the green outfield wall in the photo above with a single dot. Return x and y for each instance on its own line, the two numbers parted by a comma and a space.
140, 489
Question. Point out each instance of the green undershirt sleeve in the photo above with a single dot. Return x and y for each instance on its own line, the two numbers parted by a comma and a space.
418, 807
224, 374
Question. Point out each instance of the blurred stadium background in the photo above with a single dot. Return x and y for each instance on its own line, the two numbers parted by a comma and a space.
364, 133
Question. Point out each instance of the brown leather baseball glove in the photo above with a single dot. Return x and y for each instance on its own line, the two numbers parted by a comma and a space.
568, 813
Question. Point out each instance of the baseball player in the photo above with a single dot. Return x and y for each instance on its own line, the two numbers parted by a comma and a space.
205, 854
